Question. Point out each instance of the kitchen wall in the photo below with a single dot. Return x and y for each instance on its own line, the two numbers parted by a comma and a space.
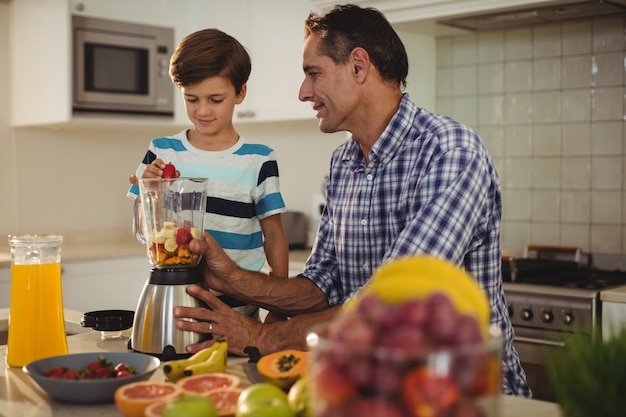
549, 102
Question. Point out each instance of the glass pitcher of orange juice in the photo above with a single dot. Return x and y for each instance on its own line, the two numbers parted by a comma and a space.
36, 319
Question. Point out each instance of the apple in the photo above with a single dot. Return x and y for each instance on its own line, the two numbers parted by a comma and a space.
262, 400
190, 405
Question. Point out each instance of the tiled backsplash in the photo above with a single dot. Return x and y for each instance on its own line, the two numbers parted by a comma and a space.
549, 102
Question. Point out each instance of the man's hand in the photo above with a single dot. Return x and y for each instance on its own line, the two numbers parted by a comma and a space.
219, 320
219, 269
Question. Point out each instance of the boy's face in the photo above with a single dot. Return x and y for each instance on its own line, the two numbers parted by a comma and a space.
210, 104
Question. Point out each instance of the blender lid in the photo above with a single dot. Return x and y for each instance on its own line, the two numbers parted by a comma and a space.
108, 320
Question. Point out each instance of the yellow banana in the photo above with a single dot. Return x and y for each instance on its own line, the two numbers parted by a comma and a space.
215, 363
174, 369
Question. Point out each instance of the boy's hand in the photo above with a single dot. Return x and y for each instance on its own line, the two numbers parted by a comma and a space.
155, 170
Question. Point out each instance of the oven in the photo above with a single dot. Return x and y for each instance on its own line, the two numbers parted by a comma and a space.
550, 296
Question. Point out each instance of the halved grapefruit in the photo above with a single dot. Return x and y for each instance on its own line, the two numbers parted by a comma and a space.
133, 399
224, 399
155, 409
199, 384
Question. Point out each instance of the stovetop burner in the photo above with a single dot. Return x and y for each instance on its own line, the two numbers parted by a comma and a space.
589, 279
560, 274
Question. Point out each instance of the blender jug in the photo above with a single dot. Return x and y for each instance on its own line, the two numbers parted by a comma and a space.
36, 320
167, 215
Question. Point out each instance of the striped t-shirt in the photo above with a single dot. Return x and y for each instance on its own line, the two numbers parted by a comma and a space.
243, 188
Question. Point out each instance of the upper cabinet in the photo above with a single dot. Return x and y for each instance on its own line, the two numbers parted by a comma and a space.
41, 55
398, 11
273, 33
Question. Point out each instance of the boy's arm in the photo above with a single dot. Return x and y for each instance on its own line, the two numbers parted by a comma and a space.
276, 248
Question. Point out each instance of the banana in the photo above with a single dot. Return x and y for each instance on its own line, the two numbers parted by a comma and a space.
174, 369
215, 363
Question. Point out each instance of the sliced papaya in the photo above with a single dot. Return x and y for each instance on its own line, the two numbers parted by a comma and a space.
283, 368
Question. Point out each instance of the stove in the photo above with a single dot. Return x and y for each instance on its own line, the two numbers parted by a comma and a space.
549, 300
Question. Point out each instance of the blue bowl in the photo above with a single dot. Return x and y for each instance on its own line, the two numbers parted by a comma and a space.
89, 390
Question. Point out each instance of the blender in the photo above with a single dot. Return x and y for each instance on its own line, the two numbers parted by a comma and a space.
168, 213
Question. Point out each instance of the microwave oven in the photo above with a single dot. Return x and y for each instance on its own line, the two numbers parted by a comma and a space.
121, 67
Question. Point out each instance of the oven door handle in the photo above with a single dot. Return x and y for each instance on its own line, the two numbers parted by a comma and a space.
538, 341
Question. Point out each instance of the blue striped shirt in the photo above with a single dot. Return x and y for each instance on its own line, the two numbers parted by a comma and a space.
243, 188
430, 188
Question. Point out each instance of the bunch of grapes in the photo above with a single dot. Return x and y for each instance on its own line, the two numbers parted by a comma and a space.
416, 359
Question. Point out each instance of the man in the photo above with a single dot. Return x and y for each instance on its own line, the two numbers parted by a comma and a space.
407, 182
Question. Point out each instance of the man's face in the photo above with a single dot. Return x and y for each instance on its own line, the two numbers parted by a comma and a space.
329, 87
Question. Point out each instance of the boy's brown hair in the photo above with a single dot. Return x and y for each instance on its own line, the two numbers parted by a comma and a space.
210, 53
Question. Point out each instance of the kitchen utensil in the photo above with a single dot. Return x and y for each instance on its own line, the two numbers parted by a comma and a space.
110, 323
168, 213
36, 322
89, 390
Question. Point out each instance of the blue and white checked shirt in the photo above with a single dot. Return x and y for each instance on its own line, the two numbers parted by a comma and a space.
431, 187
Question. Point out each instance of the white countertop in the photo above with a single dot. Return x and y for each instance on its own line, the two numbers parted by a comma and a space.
20, 396
616, 295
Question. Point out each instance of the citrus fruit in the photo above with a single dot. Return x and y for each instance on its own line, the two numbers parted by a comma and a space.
420, 276
199, 384
155, 409
190, 405
224, 399
132, 399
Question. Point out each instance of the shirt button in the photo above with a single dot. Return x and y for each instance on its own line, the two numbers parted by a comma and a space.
363, 222
370, 177
366, 266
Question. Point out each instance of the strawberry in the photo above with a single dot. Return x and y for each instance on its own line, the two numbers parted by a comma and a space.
169, 171
183, 236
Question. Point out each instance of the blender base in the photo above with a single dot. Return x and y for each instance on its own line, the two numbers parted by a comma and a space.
154, 327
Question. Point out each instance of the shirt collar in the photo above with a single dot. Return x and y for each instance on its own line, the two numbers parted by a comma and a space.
392, 138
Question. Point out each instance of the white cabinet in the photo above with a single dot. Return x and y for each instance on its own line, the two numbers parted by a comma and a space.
154, 12
613, 319
415, 10
104, 284
273, 33
40, 43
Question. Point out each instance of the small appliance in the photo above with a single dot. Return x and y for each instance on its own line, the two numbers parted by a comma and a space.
167, 214
121, 67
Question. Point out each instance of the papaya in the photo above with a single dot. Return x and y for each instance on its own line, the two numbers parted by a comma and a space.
283, 368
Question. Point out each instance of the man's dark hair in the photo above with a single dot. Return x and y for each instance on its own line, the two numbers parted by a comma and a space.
345, 27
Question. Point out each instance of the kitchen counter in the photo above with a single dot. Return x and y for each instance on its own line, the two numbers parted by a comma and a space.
615, 295
20, 396
88, 245
117, 244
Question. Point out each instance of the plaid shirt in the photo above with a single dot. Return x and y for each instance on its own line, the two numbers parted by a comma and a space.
430, 187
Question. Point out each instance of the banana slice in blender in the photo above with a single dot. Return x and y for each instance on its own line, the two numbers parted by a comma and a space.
170, 245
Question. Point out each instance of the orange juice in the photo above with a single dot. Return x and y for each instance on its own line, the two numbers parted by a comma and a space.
36, 321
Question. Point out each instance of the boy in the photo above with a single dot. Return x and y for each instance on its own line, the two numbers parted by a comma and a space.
244, 203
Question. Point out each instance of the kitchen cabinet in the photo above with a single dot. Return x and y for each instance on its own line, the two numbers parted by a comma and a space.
415, 10
41, 58
104, 284
273, 33
40, 61
613, 311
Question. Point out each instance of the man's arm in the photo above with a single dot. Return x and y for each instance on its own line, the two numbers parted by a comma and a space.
241, 331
